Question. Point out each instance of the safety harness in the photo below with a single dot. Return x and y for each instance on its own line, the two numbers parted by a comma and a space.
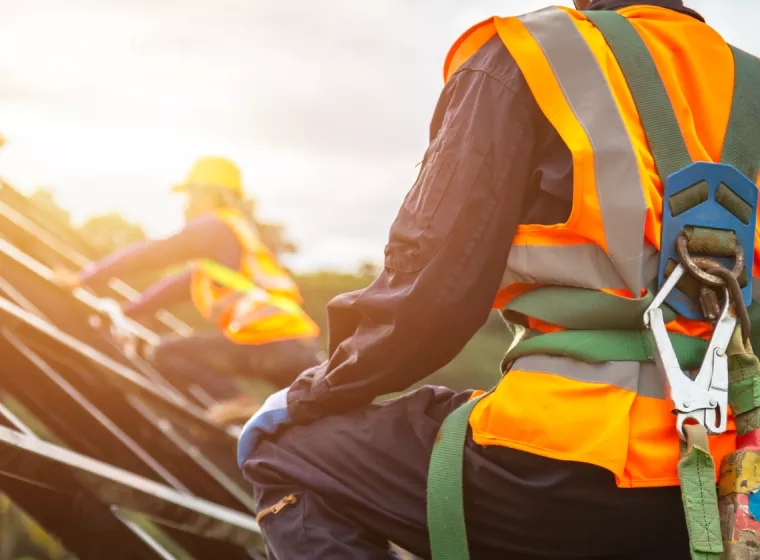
709, 210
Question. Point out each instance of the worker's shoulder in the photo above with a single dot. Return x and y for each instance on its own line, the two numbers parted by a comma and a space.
495, 60
209, 225
206, 220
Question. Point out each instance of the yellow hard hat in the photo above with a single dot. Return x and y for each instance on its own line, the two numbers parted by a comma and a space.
215, 172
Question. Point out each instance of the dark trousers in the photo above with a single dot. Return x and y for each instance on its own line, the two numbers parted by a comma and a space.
360, 479
211, 361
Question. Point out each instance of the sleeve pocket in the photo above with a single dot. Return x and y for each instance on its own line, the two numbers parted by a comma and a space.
430, 209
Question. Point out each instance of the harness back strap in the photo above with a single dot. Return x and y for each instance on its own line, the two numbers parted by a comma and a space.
606, 346
584, 309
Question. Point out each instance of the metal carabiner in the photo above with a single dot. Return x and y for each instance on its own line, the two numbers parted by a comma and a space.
705, 398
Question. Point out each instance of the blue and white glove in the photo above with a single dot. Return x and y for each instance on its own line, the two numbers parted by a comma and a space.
268, 420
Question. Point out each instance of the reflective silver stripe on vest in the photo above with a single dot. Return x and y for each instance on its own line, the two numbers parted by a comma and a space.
618, 183
641, 378
581, 266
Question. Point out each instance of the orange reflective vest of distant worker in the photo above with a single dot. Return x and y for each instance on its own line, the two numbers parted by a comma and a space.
257, 304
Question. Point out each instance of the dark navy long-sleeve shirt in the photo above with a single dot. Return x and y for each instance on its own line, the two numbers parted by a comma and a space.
206, 237
493, 162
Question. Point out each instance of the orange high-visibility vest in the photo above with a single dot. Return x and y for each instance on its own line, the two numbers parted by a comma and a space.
612, 414
257, 304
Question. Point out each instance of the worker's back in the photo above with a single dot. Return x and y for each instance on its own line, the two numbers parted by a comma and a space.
615, 415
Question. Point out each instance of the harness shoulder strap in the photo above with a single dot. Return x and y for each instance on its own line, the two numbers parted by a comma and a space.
649, 94
741, 146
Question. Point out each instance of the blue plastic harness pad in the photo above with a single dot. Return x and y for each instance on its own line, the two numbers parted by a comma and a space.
710, 214
754, 504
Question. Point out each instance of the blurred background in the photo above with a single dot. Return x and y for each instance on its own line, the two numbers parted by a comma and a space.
324, 105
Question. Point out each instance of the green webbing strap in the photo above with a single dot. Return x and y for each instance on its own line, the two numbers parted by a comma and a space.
710, 241
579, 308
445, 493
649, 94
680, 202
606, 346
741, 147
225, 276
743, 376
754, 319
743, 365
744, 391
696, 472
605, 327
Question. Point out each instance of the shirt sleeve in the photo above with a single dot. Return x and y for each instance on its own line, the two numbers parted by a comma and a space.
446, 253
205, 237
165, 293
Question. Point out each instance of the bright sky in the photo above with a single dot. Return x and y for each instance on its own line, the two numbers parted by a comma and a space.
324, 104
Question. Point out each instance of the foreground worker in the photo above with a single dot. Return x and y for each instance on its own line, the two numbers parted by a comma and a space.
543, 193
234, 281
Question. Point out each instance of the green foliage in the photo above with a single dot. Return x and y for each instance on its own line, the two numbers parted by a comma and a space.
110, 232
44, 200
275, 238
477, 366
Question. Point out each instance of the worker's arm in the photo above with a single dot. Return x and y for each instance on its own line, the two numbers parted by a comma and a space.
447, 250
165, 293
204, 237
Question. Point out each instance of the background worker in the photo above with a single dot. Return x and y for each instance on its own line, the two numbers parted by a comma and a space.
233, 280
538, 172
